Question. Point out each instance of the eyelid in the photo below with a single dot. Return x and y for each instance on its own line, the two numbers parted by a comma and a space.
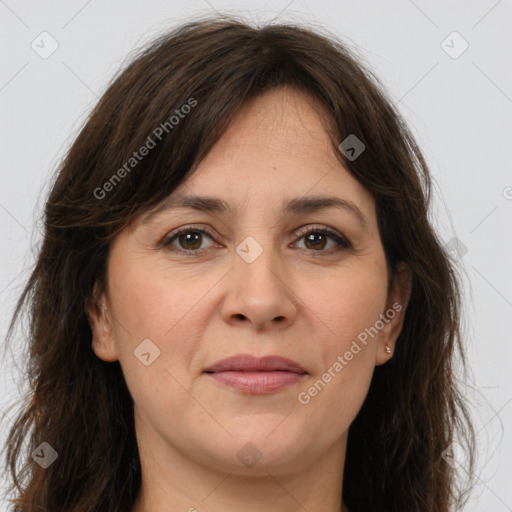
342, 241
184, 229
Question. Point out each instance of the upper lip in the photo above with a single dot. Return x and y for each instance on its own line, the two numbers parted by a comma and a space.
249, 363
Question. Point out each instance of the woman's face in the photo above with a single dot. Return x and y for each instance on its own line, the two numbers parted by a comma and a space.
254, 283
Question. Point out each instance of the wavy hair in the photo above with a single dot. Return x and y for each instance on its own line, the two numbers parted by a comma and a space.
80, 405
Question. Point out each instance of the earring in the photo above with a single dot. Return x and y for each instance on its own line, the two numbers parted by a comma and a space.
388, 350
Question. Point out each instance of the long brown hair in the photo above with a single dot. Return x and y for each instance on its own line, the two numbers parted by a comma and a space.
80, 405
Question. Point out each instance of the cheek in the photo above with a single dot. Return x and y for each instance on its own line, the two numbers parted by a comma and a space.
347, 305
339, 398
152, 313
152, 299
149, 305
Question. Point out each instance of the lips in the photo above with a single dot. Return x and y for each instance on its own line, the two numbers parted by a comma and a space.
256, 375
248, 363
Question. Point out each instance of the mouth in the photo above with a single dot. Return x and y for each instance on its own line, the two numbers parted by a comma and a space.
256, 375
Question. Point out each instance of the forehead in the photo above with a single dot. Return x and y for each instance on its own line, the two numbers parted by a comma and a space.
280, 119
277, 146
275, 158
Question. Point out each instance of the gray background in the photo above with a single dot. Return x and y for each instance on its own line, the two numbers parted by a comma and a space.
459, 108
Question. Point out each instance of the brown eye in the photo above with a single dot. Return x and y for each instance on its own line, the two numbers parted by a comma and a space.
190, 240
187, 240
316, 240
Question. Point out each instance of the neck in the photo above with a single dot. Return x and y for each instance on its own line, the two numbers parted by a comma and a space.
172, 482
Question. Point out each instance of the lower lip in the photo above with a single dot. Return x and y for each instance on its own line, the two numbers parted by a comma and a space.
257, 383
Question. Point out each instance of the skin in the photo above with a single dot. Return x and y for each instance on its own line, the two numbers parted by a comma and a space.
307, 301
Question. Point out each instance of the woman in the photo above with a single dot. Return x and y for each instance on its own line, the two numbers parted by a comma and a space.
239, 301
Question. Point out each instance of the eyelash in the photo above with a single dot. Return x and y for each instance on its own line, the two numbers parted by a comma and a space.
343, 243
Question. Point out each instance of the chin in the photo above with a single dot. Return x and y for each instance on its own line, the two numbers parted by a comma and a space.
259, 445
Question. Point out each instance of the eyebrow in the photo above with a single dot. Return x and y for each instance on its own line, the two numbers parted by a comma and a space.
297, 206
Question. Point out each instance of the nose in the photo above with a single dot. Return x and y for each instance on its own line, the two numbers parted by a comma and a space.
259, 293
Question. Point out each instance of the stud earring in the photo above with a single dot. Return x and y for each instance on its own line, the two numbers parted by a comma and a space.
388, 350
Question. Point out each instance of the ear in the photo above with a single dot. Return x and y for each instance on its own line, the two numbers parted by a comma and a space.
100, 321
393, 316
